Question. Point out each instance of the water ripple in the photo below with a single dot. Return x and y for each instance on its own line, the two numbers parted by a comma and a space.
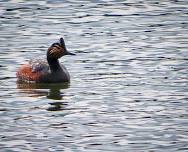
128, 89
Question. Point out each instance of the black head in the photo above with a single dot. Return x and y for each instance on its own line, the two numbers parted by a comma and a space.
57, 50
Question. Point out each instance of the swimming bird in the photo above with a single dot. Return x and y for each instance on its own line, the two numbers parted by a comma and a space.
47, 70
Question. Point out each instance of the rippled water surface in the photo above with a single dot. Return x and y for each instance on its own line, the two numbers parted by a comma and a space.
129, 79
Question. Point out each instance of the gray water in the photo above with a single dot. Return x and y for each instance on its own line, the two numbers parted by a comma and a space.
129, 79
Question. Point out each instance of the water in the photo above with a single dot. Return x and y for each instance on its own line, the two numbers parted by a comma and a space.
129, 80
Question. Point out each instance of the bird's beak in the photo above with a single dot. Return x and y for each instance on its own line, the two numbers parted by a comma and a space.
69, 53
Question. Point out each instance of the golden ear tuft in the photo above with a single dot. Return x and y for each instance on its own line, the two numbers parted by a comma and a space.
56, 51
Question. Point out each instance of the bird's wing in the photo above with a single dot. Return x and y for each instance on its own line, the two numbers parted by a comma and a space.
39, 65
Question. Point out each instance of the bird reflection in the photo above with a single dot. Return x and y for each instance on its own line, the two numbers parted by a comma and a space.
51, 91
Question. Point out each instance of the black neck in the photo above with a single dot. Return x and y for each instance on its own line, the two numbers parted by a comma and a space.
54, 64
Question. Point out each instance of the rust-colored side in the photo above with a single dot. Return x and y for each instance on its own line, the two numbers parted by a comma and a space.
25, 73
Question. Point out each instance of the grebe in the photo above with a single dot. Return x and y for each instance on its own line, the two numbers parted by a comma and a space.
47, 70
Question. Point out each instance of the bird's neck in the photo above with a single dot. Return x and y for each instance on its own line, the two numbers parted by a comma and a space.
54, 65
